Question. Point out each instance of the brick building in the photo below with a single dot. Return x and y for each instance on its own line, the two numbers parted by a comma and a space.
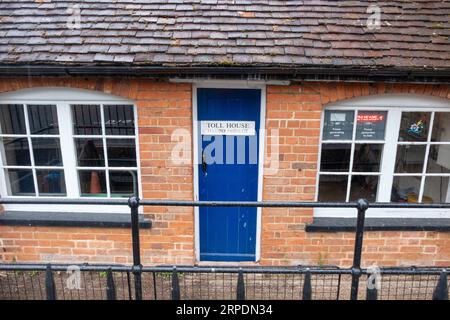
137, 98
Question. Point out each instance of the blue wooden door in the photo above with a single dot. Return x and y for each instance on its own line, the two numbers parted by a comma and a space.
228, 171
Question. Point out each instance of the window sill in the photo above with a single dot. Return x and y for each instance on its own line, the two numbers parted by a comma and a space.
66, 219
328, 224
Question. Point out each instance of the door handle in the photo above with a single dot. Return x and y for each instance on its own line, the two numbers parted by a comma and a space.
204, 164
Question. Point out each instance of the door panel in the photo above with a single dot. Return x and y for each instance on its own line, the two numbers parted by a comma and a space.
229, 172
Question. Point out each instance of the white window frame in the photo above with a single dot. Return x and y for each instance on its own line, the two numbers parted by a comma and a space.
63, 98
394, 105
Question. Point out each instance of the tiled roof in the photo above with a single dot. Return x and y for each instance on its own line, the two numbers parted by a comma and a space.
412, 35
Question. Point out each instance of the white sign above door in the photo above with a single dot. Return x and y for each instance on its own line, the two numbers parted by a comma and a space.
227, 128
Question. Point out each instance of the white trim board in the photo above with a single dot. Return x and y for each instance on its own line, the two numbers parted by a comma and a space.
60, 94
229, 85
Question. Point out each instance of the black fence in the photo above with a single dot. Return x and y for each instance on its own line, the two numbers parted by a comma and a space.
137, 282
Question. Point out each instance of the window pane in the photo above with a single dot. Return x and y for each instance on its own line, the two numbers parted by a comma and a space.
335, 157
121, 152
21, 182
90, 152
86, 120
123, 183
17, 152
367, 157
410, 159
371, 125
441, 127
405, 189
12, 119
436, 190
414, 126
338, 125
51, 182
439, 159
43, 119
92, 183
333, 188
47, 152
119, 120
364, 187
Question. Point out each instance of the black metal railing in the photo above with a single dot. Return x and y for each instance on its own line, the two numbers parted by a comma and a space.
136, 282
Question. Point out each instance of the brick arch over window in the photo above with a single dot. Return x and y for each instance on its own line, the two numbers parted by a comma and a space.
130, 88
341, 91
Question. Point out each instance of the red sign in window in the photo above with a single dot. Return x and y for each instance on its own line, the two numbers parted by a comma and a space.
370, 117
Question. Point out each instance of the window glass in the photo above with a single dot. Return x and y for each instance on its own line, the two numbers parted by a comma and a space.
436, 190
86, 120
441, 127
410, 158
364, 186
31, 150
123, 183
47, 152
43, 119
21, 182
335, 157
92, 183
121, 152
333, 188
338, 125
405, 189
439, 159
414, 126
367, 157
51, 182
90, 152
16, 151
118, 152
371, 125
12, 120
119, 120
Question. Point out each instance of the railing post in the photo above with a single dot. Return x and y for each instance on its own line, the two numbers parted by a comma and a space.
362, 205
441, 290
371, 293
240, 289
110, 286
307, 288
175, 285
50, 289
133, 203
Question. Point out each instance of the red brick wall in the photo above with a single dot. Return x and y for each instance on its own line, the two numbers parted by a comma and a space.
296, 111
163, 107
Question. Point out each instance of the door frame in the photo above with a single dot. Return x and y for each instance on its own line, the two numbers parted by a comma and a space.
226, 84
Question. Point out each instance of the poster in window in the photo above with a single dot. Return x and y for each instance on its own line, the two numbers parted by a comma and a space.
338, 125
371, 125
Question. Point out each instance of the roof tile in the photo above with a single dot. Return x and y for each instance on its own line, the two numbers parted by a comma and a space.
412, 33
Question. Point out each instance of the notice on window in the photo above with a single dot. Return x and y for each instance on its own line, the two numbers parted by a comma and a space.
228, 128
371, 125
338, 125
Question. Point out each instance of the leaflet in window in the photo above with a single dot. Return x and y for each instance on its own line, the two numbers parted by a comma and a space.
371, 125
338, 125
